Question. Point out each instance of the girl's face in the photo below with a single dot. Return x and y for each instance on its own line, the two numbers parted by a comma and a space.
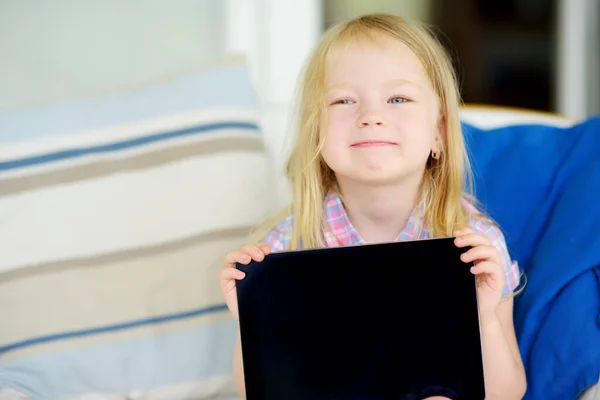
382, 114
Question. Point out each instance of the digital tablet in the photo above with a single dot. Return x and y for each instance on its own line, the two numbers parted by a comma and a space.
384, 321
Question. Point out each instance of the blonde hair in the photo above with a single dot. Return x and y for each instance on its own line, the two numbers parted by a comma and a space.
446, 181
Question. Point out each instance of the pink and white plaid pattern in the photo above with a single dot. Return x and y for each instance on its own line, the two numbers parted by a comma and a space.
338, 231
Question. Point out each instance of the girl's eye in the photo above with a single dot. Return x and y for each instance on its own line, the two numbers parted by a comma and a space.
343, 101
397, 100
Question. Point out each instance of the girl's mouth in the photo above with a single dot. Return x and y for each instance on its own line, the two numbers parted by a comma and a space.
372, 143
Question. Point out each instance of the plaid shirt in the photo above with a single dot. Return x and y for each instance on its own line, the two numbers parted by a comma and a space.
340, 232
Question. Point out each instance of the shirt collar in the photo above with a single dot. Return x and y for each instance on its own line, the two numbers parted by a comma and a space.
339, 231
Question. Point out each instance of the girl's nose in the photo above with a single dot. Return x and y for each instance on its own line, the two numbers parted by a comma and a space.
370, 119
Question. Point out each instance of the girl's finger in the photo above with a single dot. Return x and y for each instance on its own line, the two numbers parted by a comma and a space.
254, 251
481, 253
489, 274
471, 239
491, 269
237, 256
463, 231
265, 248
230, 273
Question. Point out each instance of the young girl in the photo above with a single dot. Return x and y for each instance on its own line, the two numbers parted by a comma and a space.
380, 157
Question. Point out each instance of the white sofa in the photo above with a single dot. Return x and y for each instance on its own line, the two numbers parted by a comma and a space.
116, 210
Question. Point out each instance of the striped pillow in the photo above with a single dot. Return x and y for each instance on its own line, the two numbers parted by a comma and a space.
116, 211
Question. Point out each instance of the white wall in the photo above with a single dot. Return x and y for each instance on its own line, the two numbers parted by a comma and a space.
577, 60
337, 10
277, 36
52, 48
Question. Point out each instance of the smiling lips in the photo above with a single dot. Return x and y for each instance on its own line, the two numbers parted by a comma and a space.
373, 143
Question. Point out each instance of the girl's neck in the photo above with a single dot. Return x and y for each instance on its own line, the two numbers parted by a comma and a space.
379, 213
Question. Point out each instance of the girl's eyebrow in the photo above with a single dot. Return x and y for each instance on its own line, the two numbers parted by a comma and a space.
393, 82
341, 85
402, 82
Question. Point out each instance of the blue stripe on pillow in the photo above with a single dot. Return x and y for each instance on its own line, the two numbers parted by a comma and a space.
165, 358
206, 89
122, 145
113, 328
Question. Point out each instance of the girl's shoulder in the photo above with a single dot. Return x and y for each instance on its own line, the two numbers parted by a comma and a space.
279, 237
480, 222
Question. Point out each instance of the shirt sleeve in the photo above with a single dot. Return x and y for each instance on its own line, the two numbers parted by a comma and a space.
512, 273
279, 238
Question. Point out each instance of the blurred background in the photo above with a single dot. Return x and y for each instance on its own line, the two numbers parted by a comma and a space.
538, 54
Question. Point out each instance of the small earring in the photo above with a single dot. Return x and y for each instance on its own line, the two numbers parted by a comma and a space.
435, 155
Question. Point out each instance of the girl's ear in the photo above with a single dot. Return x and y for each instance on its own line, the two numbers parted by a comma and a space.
440, 136
441, 128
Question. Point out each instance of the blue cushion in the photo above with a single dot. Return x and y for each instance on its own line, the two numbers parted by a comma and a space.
542, 185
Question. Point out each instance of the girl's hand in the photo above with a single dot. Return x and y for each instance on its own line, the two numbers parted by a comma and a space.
229, 274
487, 267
